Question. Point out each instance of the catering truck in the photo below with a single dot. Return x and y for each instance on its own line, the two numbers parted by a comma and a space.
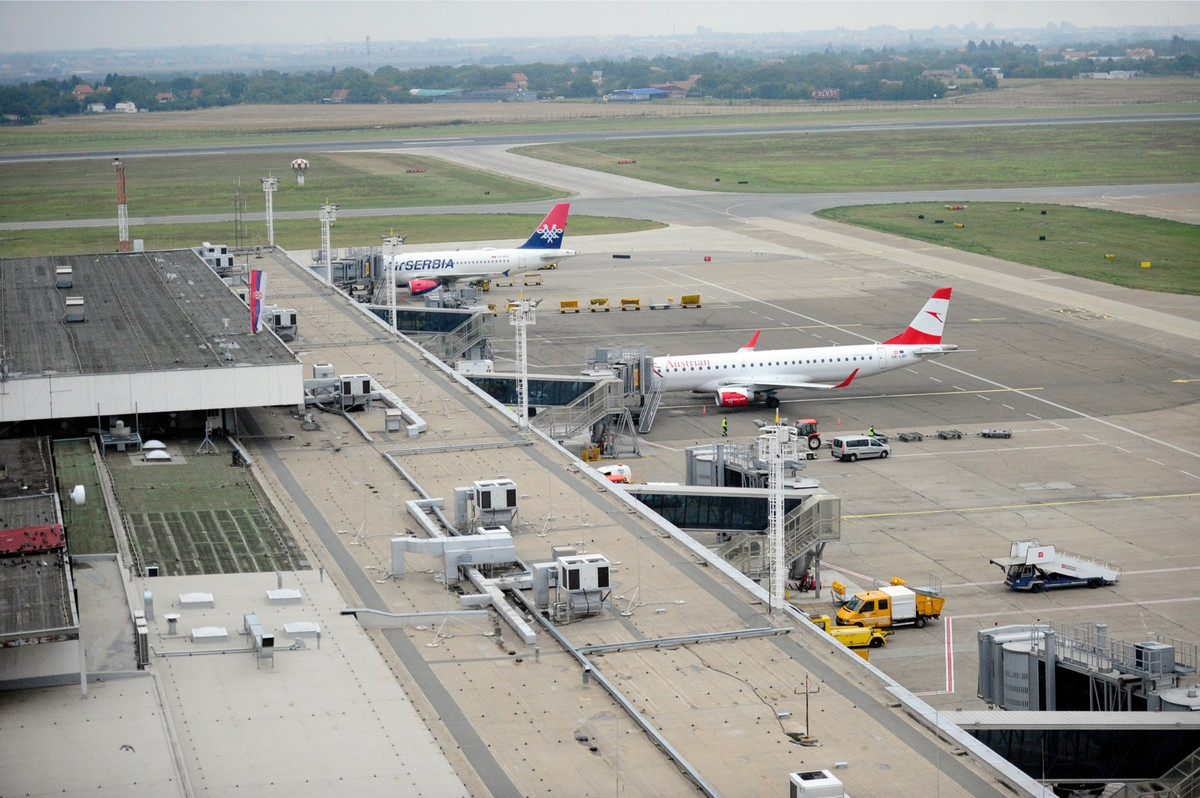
1034, 567
893, 605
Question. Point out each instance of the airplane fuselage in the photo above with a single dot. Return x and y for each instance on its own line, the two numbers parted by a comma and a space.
472, 264
711, 372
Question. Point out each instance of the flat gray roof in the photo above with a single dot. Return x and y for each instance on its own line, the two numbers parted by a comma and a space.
143, 311
35, 585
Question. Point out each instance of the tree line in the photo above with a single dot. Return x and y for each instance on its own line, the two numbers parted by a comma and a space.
868, 74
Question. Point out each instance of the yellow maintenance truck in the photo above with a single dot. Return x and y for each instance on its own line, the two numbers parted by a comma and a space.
894, 605
851, 636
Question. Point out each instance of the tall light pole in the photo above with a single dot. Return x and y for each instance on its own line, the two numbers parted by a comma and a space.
269, 185
777, 446
522, 313
390, 243
122, 208
328, 216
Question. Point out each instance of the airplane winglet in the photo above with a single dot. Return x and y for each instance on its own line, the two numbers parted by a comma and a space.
847, 381
753, 342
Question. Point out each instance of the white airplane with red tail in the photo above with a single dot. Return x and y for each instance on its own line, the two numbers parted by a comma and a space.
422, 272
745, 376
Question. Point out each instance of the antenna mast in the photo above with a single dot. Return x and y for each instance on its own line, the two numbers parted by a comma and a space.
122, 209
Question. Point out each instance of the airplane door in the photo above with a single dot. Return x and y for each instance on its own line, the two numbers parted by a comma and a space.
881, 357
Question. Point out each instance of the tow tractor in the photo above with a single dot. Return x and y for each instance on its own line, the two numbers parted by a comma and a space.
807, 428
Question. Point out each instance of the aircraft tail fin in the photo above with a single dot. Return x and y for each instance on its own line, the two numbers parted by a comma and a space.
549, 234
927, 327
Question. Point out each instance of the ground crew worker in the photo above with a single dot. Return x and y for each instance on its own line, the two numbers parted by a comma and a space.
724, 428
871, 430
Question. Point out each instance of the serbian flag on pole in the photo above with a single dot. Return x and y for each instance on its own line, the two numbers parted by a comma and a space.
258, 286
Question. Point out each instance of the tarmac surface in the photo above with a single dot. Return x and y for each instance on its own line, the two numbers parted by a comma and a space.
1098, 384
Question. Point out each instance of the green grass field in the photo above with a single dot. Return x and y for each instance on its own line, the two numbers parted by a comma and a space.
898, 160
302, 234
206, 184
1078, 241
828, 161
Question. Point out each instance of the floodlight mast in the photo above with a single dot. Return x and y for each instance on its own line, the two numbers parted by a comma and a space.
390, 243
521, 313
269, 185
778, 446
328, 215
122, 208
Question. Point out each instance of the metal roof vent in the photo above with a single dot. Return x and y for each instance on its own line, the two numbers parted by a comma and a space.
74, 309
63, 277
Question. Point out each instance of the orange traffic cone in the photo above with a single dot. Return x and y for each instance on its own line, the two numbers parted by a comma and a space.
839, 421
704, 410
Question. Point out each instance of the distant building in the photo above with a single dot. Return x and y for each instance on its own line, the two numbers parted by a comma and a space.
96, 108
164, 97
939, 74
1139, 53
126, 107
82, 90
1076, 55
674, 91
635, 95
338, 96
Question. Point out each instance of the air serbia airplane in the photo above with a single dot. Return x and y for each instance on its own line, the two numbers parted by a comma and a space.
423, 272
738, 378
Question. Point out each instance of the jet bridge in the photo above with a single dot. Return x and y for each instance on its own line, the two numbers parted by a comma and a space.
634, 368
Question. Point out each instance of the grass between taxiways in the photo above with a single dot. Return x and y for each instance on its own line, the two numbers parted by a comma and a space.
1076, 239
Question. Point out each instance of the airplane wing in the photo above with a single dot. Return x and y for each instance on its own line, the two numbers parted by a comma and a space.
775, 385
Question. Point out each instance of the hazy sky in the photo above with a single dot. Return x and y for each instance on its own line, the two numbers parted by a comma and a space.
53, 25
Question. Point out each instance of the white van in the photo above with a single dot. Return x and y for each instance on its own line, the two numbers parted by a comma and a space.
852, 447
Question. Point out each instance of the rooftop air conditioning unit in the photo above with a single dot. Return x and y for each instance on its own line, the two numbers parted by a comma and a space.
496, 494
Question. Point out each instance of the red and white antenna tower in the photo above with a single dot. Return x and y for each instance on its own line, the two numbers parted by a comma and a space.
122, 209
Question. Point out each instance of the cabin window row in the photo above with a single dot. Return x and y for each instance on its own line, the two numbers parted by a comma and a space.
864, 358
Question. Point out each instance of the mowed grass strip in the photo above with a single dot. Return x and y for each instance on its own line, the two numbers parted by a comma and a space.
1078, 241
898, 160
88, 528
305, 234
207, 184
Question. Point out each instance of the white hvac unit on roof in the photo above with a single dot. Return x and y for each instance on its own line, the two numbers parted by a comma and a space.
495, 494
583, 572
815, 784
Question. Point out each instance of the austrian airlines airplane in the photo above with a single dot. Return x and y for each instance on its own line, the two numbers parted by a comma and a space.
423, 272
738, 378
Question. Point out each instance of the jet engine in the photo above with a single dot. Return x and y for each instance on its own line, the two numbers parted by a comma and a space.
733, 397
418, 287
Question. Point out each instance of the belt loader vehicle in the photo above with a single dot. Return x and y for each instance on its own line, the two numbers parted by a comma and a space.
1034, 567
